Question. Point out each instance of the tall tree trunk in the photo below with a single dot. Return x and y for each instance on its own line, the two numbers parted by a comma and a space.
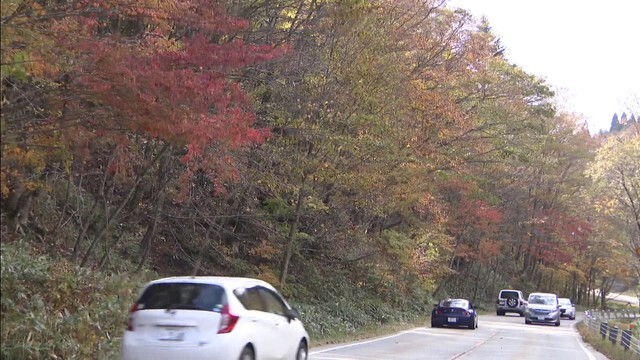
493, 280
466, 277
145, 244
293, 229
82, 234
116, 212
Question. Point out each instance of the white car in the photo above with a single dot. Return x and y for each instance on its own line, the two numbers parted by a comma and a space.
213, 318
567, 309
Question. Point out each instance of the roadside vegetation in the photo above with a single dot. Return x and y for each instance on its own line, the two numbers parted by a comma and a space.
362, 158
604, 346
53, 309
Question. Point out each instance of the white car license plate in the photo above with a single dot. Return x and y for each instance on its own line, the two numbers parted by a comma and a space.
541, 317
452, 319
173, 334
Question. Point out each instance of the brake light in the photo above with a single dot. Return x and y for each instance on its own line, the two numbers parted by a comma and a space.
465, 313
227, 320
439, 311
133, 309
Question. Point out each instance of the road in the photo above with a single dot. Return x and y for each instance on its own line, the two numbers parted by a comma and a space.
624, 299
621, 298
498, 337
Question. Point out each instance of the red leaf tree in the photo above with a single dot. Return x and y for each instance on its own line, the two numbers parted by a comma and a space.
163, 70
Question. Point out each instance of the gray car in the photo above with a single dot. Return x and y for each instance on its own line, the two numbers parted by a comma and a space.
542, 308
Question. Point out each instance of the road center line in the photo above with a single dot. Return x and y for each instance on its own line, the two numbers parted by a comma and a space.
474, 347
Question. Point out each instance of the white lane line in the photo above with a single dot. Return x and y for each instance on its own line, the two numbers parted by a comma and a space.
364, 342
580, 342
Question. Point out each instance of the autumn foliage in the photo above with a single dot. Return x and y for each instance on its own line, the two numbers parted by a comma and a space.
390, 142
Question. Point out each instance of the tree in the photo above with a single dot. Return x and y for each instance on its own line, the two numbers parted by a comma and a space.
141, 80
615, 173
615, 123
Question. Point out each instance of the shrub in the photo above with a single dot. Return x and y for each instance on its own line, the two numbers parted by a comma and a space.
51, 309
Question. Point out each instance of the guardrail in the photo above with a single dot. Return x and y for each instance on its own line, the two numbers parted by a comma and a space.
598, 322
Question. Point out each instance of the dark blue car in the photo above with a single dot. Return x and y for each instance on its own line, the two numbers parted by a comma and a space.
454, 312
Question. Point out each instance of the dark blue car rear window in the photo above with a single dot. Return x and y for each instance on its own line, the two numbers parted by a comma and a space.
455, 303
189, 296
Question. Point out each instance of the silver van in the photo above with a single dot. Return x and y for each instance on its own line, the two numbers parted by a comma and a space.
543, 308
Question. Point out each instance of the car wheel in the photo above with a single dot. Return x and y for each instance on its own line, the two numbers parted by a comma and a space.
557, 323
500, 313
572, 317
302, 352
512, 302
521, 314
247, 354
527, 322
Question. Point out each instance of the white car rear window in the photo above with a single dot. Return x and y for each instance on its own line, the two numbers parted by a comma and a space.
181, 295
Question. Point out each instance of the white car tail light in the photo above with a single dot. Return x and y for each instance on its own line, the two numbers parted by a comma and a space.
227, 320
133, 309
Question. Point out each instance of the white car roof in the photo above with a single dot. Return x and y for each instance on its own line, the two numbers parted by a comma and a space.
228, 282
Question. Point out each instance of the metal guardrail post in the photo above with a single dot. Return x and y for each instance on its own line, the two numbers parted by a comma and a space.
625, 341
603, 329
613, 335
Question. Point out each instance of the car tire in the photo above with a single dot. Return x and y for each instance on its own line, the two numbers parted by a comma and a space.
557, 323
521, 314
527, 322
302, 352
247, 353
500, 313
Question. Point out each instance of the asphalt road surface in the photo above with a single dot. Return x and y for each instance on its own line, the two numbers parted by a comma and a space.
624, 299
497, 337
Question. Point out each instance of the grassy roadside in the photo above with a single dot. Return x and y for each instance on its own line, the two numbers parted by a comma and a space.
51, 309
613, 352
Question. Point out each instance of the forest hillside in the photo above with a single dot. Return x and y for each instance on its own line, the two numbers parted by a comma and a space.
365, 157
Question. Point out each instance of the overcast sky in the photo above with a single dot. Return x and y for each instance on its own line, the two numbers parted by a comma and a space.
587, 50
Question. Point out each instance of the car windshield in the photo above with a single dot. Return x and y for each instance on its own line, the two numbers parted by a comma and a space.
564, 301
542, 299
459, 303
191, 296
